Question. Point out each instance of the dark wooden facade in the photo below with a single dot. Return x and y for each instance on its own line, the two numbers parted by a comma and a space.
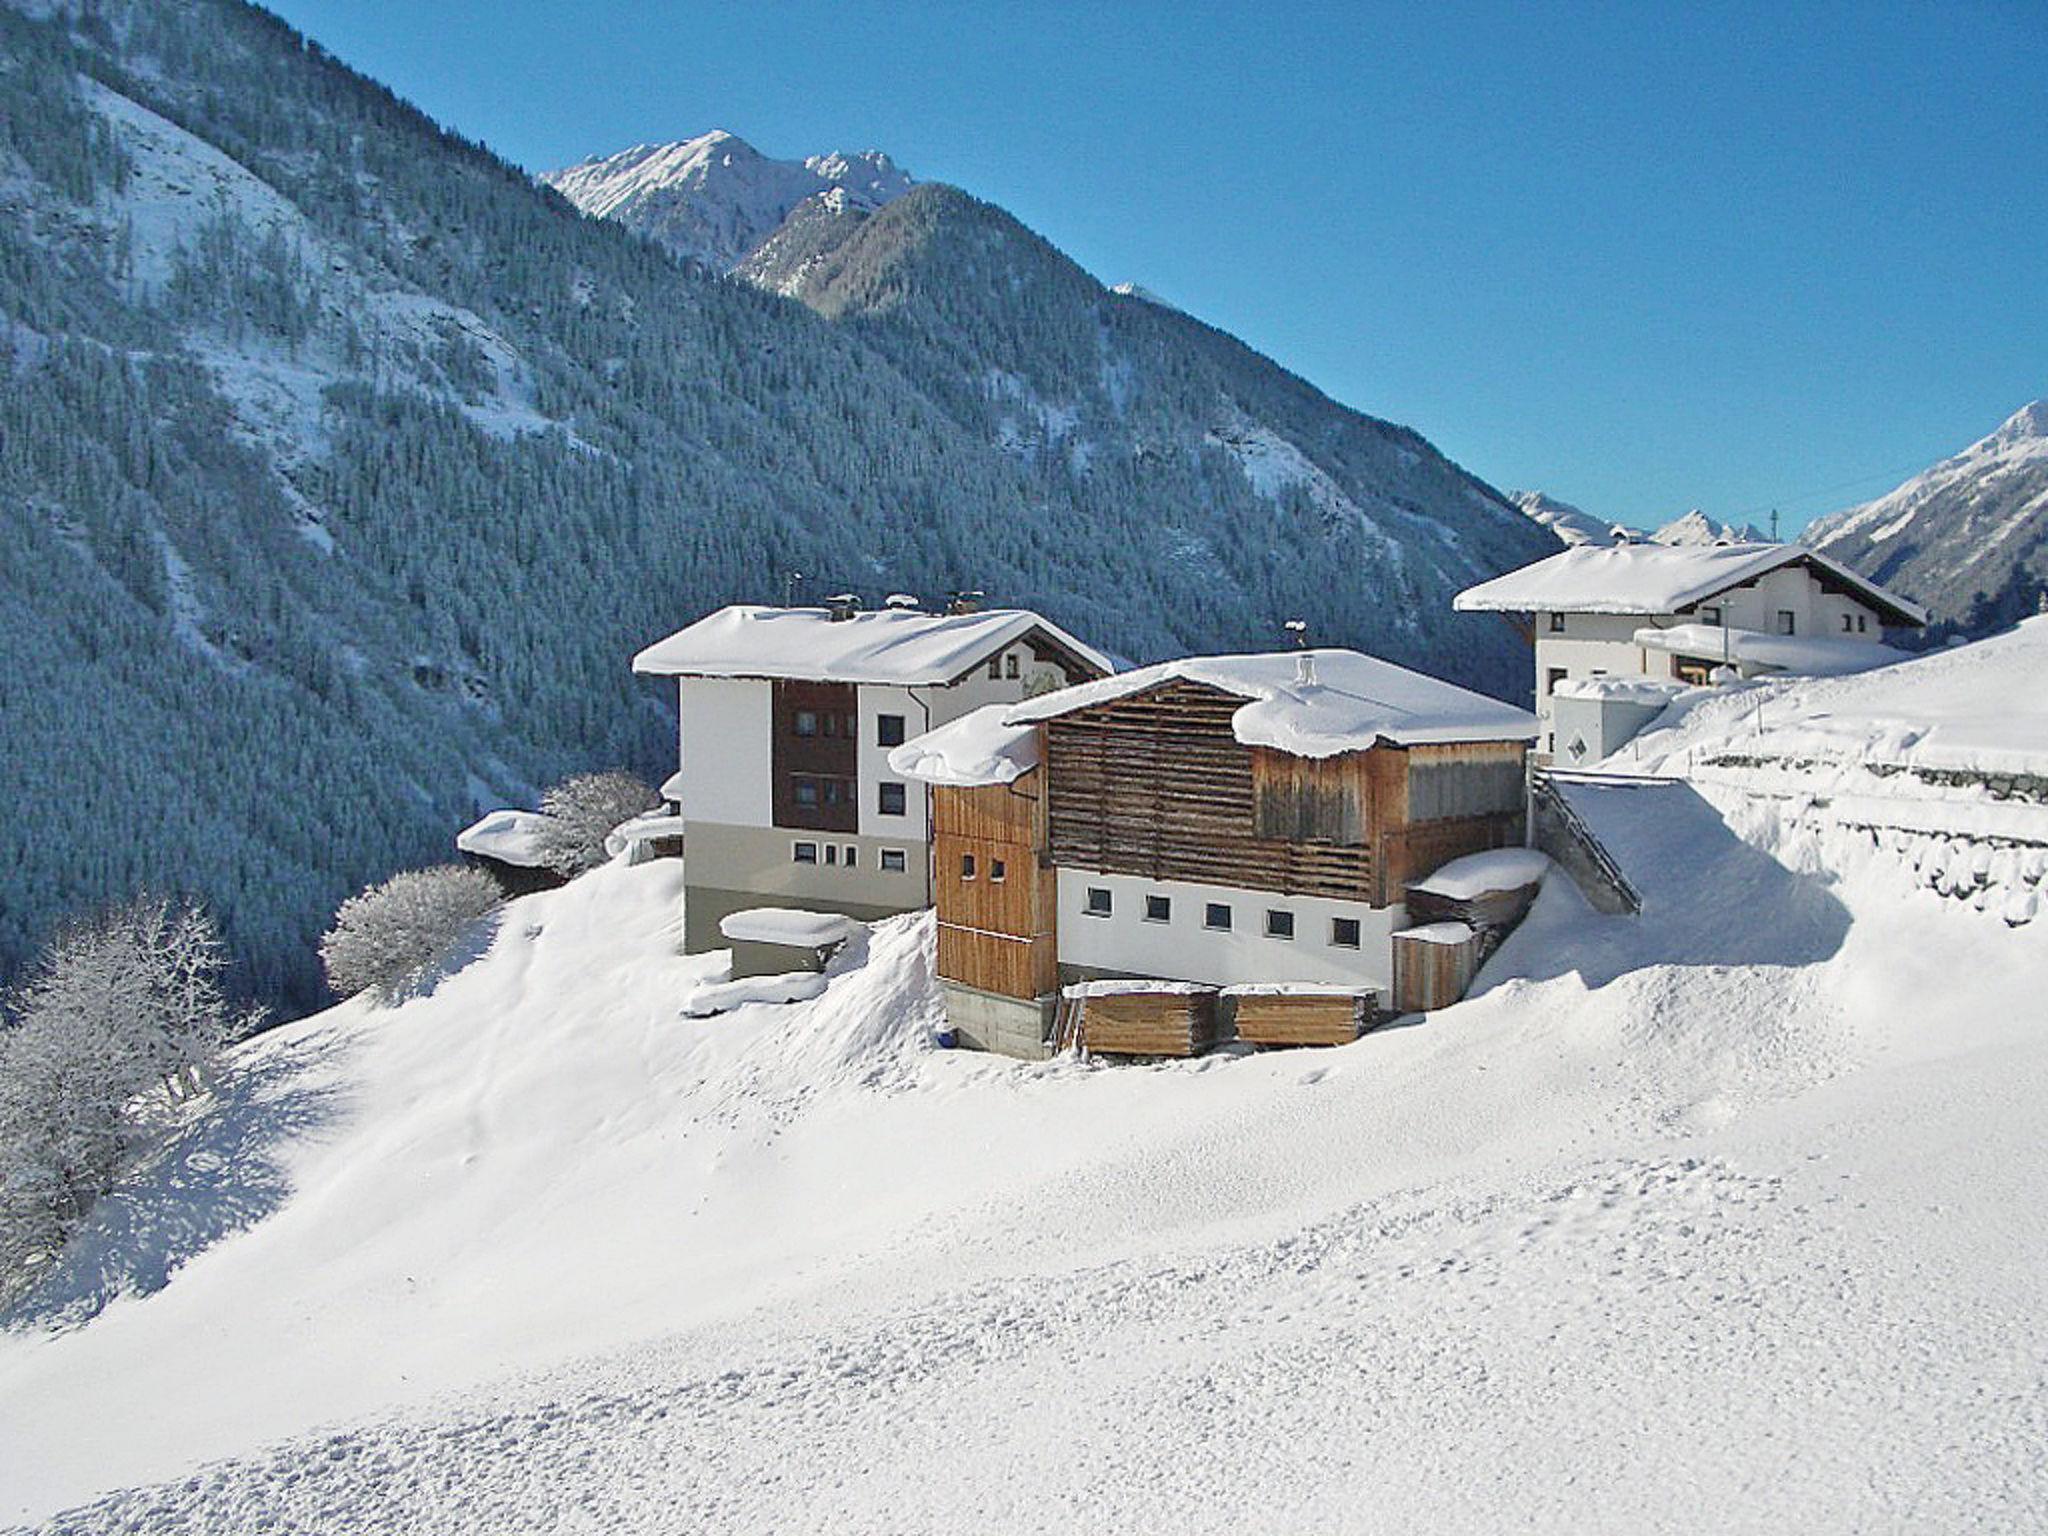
1156, 785
996, 897
815, 766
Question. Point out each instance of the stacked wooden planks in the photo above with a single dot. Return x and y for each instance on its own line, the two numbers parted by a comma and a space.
1283, 1015
1434, 964
1144, 1018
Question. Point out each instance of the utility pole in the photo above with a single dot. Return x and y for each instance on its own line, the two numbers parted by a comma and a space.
1774, 525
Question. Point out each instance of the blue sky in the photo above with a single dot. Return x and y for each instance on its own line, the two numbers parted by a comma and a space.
1641, 257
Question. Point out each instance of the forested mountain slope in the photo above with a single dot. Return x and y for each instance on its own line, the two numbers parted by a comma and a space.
1968, 537
343, 468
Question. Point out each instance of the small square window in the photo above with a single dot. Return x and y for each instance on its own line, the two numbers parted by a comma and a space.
894, 861
1710, 615
851, 856
806, 723
1279, 924
888, 730
1216, 915
1158, 909
1010, 665
804, 853
1557, 623
831, 725
835, 792
832, 854
890, 799
1862, 625
997, 869
1344, 932
1788, 623
805, 791
1557, 675
966, 866
995, 669
1097, 902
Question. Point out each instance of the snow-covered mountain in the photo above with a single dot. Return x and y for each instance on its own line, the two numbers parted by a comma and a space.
715, 198
1568, 522
1968, 537
533, 1251
345, 467
1695, 527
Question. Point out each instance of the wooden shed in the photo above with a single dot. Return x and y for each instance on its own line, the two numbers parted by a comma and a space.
1138, 1018
1434, 964
1301, 1014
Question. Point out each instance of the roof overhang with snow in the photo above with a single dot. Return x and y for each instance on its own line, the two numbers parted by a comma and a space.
896, 646
1665, 578
1803, 655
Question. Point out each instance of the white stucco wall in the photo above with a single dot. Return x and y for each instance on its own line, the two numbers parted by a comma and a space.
875, 700
726, 753
1181, 949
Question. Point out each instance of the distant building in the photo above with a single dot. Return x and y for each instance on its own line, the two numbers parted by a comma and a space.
1682, 613
1227, 822
787, 718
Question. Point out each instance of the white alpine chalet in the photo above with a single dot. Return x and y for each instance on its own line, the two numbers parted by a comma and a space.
1683, 612
787, 718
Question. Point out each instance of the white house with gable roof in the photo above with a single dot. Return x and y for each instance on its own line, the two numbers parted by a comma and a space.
787, 717
1677, 614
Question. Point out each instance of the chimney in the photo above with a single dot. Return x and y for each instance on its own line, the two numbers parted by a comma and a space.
1621, 535
1305, 669
901, 602
842, 606
965, 602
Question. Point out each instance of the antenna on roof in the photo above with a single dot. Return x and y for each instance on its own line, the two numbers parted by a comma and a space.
1298, 628
844, 605
791, 580
1774, 525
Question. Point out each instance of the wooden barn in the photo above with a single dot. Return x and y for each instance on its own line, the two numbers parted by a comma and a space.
1247, 826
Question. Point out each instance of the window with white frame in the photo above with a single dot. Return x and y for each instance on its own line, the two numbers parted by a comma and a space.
1096, 903
1279, 923
1158, 909
803, 853
894, 861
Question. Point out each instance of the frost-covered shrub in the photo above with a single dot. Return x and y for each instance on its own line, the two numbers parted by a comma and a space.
388, 938
583, 811
116, 1012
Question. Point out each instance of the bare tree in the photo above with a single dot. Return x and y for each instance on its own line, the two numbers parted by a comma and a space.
117, 1009
583, 811
389, 937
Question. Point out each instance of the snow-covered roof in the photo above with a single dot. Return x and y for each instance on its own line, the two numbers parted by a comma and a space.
978, 748
1802, 655
510, 837
1497, 869
786, 925
888, 645
1295, 989
1658, 578
1347, 701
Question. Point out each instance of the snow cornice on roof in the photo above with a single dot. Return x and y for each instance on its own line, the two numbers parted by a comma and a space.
1662, 578
901, 647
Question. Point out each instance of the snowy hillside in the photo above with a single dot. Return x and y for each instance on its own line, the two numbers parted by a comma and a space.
1708, 1217
1968, 537
715, 197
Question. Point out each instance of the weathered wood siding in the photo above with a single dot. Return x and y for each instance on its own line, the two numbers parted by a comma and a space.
1157, 786
995, 935
1149, 1023
1429, 975
1296, 1020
